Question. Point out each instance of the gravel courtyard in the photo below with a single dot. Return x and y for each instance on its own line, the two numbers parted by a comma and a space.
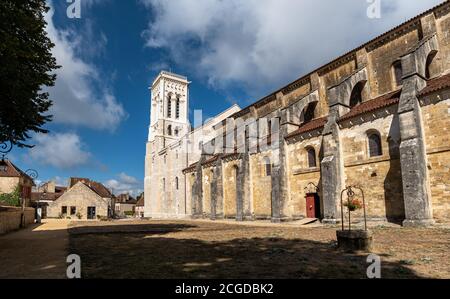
202, 249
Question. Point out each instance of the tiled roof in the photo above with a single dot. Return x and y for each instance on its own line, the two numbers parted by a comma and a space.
191, 167
140, 202
309, 126
35, 196
13, 171
372, 105
98, 188
211, 160
101, 190
436, 84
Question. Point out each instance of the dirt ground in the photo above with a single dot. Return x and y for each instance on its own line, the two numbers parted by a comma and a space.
37, 252
201, 249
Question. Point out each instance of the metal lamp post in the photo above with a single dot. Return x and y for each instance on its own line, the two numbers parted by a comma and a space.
5, 148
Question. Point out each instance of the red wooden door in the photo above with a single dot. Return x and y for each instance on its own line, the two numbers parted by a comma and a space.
311, 205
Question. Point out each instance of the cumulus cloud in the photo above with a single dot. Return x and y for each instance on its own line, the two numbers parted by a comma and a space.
264, 43
125, 183
60, 150
81, 95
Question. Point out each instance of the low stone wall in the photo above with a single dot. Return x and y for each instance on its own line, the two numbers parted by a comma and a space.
10, 218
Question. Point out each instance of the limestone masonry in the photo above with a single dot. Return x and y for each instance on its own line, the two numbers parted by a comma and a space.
376, 117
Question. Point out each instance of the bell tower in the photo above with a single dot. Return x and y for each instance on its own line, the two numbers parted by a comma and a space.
169, 109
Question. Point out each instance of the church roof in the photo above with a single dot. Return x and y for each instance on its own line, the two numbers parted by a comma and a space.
436, 84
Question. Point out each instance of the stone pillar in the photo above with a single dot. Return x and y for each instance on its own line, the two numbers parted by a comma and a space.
279, 174
217, 192
416, 194
197, 191
240, 192
247, 199
332, 168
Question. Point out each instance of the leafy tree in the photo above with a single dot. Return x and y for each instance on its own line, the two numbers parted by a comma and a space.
26, 66
11, 199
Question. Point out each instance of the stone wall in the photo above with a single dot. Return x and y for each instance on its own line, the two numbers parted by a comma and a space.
10, 219
436, 118
262, 185
8, 184
207, 196
81, 197
229, 188
300, 175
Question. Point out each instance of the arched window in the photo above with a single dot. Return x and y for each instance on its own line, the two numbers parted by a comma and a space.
312, 162
430, 60
309, 112
356, 96
397, 72
169, 107
176, 183
169, 130
268, 166
177, 110
164, 184
177, 132
375, 149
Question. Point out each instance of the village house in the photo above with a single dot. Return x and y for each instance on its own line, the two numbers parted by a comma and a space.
46, 194
139, 211
124, 205
12, 177
84, 199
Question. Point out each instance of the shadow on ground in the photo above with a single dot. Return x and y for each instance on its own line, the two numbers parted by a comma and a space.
153, 254
82, 228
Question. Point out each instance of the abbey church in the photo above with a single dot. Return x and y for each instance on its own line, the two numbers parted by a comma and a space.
377, 117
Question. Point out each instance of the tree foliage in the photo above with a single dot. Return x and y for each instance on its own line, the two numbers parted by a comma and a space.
26, 67
11, 199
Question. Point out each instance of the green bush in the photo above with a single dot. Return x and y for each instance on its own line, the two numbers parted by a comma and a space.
11, 199
129, 213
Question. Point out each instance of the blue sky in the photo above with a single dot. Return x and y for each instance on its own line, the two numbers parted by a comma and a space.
233, 51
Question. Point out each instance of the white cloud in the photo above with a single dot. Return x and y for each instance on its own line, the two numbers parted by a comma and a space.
64, 151
125, 184
264, 43
81, 95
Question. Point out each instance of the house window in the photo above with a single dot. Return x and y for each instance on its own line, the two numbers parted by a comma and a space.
176, 183
73, 210
356, 96
177, 111
268, 166
169, 130
176, 132
375, 149
169, 107
164, 184
312, 162
398, 72
64, 210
